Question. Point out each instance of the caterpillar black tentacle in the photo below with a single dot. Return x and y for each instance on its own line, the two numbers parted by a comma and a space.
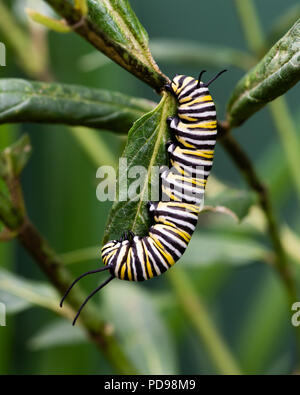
194, 128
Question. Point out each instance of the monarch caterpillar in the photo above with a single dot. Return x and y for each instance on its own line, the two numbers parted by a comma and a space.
136, 258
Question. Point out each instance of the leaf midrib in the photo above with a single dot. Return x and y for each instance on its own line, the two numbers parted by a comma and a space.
68, 98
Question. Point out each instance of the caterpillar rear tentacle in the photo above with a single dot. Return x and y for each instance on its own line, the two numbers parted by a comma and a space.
194, 128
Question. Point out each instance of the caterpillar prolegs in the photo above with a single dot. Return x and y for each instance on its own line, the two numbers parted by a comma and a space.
191, 152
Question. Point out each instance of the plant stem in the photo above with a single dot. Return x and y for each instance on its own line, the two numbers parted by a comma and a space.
196, 313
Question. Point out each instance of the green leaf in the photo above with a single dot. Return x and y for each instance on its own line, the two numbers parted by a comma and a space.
113, 28
191, 53
219, 248
28, 101
144, 336
57, 333
145, 147
275, 74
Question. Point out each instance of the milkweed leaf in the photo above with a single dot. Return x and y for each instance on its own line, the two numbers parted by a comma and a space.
29, 101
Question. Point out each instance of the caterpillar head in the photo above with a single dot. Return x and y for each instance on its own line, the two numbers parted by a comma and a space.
180, 81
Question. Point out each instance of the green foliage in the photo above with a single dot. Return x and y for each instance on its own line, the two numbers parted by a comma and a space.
29, 101
198, 320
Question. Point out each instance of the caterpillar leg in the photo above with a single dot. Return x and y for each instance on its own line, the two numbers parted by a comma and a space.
168, 143
168, 87
169, 120
126, 235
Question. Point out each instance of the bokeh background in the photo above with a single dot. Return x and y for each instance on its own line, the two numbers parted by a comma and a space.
243, 297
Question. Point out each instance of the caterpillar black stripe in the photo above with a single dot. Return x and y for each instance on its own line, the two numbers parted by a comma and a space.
194, 129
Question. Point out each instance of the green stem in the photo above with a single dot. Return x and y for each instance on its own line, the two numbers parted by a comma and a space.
195, 311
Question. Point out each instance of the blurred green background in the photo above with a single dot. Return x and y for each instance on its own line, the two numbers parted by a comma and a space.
244, 297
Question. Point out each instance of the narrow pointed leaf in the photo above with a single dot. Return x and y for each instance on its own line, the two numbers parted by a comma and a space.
29, 101
275, 74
